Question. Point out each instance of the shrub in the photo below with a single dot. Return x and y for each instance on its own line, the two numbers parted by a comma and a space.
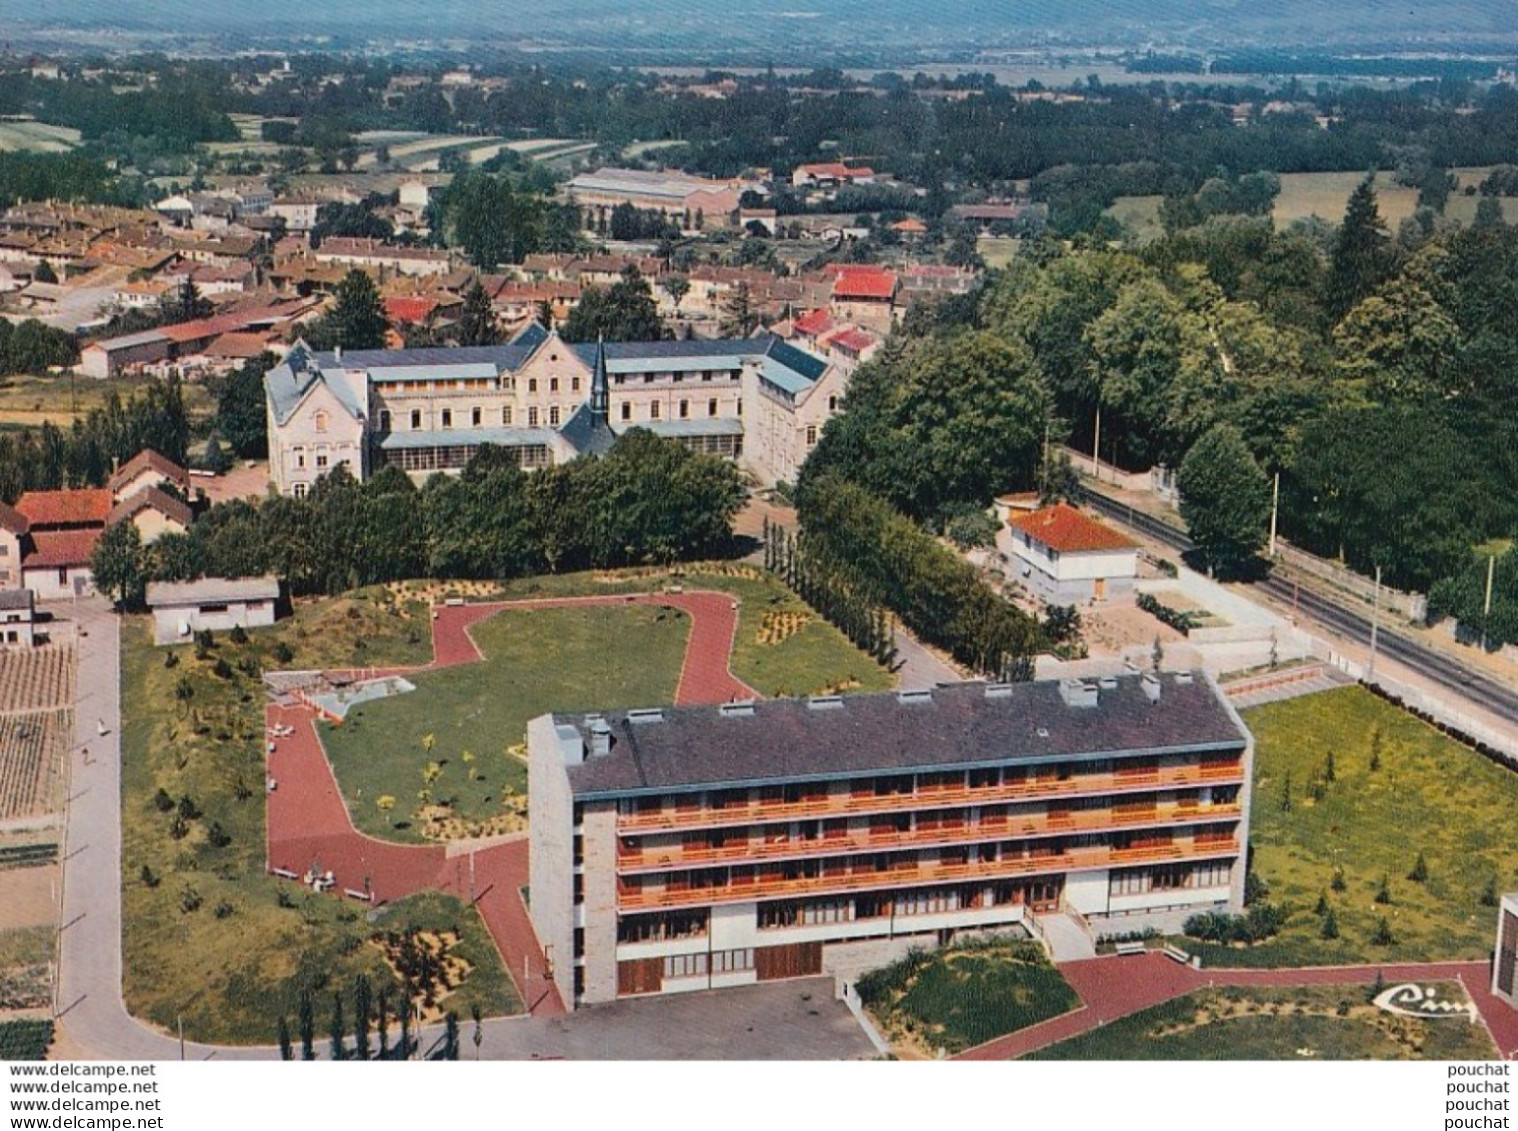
1182, 622
282, 898
150, 878
204, 640
1489, 897
163, 801
222, 669
1383, 935
1419, 874
238, 635
178, 829
283, 652
188, 809
170, 659
189, 900
217, 835
1261, 922
1322, 908
1338, 883
250, 667
1330, 928
1255, 888
224, 910
184, 689
1383, 893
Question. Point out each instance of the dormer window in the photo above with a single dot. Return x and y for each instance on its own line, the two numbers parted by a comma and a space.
320, 421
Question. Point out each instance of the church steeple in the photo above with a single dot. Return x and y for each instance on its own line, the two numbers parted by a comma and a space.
600, 399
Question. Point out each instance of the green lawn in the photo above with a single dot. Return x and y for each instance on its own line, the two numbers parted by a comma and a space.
965, 995
208, 939
1286, 1023
1430, 796
25, 957
465, 720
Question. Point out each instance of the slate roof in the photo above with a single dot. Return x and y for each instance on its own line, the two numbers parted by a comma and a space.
587, 432
212, 590
790, 740
18, 599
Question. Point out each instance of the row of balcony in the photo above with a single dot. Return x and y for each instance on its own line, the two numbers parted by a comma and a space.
756, 811
744, 888
780, 846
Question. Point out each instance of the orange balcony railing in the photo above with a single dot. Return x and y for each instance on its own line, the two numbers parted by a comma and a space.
640, 898
987, 829
860, 804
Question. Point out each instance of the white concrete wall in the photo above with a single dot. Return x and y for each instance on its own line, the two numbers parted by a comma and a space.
46, 584
1087, 892
551, 852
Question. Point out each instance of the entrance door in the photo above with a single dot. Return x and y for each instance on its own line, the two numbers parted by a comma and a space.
1100, 589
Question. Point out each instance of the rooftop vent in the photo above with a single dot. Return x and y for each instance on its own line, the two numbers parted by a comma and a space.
1185, 679
998, 691
1130, 667
645, 715
914, 696
825, 702
1107, 682
600, 737
737, 709
1151, 685
1077, 693
1042, 732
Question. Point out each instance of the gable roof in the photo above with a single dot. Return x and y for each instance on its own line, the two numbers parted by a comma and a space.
151, 497
55, 549
871, 284
13, 520
148, 460
1063, 528
83, 507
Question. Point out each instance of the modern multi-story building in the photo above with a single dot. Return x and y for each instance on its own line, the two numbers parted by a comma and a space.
761, 401
704, 847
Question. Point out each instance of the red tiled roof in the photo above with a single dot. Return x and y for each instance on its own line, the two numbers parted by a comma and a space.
865, 284
413, 311
854, 340
148, 460
13, 520
59, 548
161, 501
814, 322
1063, 528
836, 170
88, 506
910, 224
241, 345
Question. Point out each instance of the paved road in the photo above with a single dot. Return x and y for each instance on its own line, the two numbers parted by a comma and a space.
1347, 619
92, 1015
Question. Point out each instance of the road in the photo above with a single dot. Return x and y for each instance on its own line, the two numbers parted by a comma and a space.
1348, 620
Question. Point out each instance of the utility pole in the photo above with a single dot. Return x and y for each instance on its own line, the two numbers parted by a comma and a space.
1275, 506
1486, 608
1375, 621
1096, 445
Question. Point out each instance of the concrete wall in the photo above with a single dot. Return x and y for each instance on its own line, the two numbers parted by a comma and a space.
167, 622
48, 586
152, 525
10, 560
550, 812
599, 919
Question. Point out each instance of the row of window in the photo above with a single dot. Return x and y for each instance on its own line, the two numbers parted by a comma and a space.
454, 456
662, 926
716, 962
1169, 877
678, 378
556, 416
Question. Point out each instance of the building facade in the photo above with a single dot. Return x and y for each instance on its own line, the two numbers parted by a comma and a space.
760, 401
1067, 557
181, 608
704, 847
1503, 969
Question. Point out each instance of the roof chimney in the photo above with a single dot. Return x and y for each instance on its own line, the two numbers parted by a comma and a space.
1077, 693
600, 737
1151, 685
337, 352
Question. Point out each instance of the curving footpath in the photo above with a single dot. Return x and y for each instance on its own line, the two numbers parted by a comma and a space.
309, 827
1114, 987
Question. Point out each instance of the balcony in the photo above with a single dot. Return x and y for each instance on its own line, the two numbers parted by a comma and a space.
917, 875
849, 804
1033, 825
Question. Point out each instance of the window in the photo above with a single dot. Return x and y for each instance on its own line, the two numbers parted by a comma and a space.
532, 384
384, 420
553, 384
320, 421
811, 435
574, 384
627, 410
476, 416
300, 490
532, 416
506, 416
321, 461
653, 411
740, 406
553, 415
416, 420
927, 902
732, 961
711, 407
706, 375
685, 966
448, 418
832, 404
685, 410
300, 461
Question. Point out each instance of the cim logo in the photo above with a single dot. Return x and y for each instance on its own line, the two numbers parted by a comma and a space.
1411, 1000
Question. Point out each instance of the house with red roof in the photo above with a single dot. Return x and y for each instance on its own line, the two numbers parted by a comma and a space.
148, 469
12, 544
865, 295
830, 175
1067, 557
62, 529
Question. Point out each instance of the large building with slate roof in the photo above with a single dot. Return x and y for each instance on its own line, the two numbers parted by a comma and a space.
704, 847
761, 401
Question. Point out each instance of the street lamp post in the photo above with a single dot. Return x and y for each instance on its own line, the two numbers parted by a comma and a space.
1375, 623
1486, 606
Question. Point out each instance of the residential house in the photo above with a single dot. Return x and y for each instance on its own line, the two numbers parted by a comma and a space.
18, 618
1067, 557
183, 608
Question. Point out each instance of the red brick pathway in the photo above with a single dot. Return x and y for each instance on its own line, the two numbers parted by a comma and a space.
309, 827
1117, 986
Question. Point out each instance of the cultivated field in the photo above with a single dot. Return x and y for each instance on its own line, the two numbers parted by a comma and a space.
28, 401
36, 728
1286, 1023
36, 137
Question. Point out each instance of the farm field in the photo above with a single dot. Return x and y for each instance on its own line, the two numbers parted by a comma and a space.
36, 137
1324, 195
964, 995
206, 933
1428, 797
1285, 1023
36, 728
455, 739
28, 401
